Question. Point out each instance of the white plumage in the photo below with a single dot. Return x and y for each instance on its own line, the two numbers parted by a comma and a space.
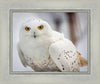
44, 49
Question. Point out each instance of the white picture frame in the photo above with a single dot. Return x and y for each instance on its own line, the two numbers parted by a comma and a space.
7, 77
14, 35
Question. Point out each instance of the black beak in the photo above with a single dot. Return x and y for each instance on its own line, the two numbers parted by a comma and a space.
34, 35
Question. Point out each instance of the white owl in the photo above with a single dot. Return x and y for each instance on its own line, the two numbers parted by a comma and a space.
44, 49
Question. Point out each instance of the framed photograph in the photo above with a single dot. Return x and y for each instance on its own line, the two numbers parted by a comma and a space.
49, 42
65, 31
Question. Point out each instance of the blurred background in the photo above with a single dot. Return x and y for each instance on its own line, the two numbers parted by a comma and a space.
73, 25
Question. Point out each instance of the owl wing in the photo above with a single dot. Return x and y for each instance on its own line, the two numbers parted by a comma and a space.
64, 55
21, 56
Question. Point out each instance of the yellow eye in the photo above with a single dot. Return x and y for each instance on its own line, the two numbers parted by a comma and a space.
40, 27
27, 28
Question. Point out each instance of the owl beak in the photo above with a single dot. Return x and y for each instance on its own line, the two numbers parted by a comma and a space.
34, 35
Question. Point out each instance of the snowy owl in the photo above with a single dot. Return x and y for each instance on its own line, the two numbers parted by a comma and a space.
45, 50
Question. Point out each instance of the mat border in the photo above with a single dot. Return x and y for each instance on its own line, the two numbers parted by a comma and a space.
11, 11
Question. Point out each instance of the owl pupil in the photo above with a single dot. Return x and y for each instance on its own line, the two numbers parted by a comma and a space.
40, 27
27, 28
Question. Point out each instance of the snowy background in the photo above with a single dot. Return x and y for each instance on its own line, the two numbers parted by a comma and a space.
72, 25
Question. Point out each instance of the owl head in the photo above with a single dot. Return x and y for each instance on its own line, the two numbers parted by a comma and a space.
34, 28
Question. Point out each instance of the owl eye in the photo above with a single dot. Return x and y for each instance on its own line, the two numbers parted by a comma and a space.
27, 28
40, 27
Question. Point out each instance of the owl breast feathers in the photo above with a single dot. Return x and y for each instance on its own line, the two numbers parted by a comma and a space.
44, 49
